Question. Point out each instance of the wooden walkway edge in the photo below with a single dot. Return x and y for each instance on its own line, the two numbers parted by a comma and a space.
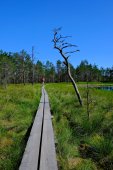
40, 151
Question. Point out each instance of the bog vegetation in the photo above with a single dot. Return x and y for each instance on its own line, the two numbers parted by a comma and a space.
84, 136
18, 105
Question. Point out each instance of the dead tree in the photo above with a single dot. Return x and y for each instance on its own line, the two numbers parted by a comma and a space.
32, 65
61, 45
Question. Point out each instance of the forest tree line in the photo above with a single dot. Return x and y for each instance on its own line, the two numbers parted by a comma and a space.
19, 67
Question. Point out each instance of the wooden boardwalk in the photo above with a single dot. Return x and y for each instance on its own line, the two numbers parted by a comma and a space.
40, 150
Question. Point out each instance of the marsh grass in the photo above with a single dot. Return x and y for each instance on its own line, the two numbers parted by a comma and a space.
72, 125
18, 105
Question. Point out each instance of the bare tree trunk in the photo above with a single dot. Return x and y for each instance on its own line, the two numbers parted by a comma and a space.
74, 84
87, 100
23, 70
32, 65
5, 77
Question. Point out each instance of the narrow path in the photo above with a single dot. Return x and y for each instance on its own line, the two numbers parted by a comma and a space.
40, 150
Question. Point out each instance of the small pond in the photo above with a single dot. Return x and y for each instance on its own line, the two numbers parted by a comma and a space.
109, 88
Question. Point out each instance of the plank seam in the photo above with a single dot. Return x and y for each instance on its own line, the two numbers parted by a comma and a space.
39, 158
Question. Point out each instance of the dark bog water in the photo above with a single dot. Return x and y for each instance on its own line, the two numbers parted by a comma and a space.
109, 88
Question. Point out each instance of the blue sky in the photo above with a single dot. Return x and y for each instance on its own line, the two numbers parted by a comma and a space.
27, 23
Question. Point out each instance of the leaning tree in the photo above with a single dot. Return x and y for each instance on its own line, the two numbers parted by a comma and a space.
64, 49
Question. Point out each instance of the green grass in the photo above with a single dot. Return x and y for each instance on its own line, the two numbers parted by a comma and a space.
74, 130
18, 105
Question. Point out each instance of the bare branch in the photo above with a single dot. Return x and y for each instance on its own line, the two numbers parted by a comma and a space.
69, 52
65, 37
69, 45
68, 57
56, 30
64, 43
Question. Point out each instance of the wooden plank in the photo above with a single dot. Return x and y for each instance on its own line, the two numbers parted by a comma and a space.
47, 114
46, 96
42, 97
32, 151
48, 154
31, 154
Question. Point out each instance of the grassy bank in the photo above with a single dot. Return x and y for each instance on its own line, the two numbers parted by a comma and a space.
84, 134
18, 105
